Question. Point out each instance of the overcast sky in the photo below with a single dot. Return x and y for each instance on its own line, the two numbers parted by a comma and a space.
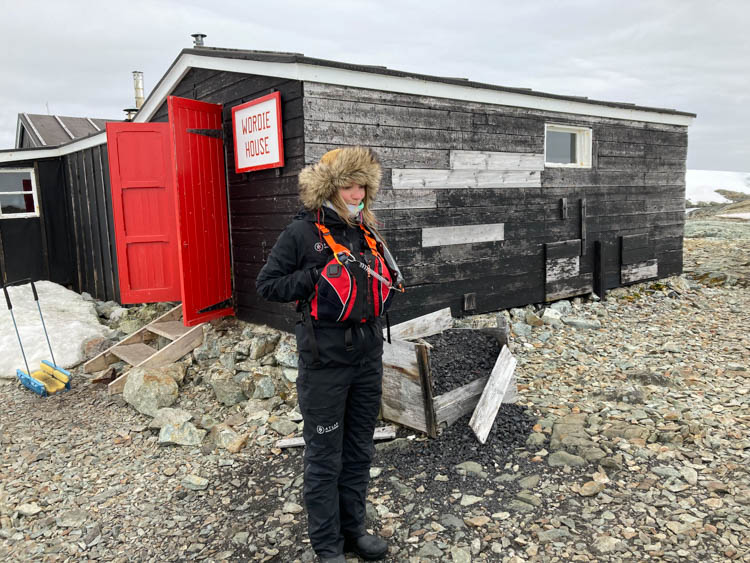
76, 57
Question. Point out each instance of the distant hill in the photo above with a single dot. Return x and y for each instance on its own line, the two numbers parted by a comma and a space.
702, 185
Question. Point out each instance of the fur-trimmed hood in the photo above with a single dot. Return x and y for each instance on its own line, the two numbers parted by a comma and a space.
339, 168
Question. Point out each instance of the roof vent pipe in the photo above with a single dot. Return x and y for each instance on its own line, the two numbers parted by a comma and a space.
138, 86
130, 113
198, 39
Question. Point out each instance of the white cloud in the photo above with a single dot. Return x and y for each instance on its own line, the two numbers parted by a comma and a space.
688, 55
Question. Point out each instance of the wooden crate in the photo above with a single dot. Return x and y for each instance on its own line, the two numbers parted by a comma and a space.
408, 397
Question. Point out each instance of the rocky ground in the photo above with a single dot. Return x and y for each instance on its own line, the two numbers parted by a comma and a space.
630, 441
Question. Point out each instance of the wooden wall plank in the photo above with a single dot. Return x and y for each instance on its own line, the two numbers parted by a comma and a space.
563, 249
442, 179
632, 273
463, 234
569, 287
562, 268
485, 160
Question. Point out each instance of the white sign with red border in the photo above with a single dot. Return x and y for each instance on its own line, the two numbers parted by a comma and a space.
258, 140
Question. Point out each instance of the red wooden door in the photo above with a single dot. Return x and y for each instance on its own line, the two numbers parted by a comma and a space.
203, 227
142, 183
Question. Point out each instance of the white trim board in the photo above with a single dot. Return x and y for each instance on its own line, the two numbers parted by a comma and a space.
357, 79
398, 84
36, 154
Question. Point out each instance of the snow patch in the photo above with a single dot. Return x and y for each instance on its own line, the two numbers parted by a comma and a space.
701, 185
70, 321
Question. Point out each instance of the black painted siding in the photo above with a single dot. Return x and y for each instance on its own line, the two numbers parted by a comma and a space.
257, 207
636, 186
92, 225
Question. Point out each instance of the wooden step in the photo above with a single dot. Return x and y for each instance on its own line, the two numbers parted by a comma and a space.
169, 329
133, 354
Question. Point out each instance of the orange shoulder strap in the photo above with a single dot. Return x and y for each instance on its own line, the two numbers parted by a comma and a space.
371, 242
332, 244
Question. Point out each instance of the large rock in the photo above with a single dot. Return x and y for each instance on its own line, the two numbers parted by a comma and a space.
167, 415
208, 350
559, 459
224, 437
228, 392
149, 390
262, 345
183, 435
264, 388
286, 353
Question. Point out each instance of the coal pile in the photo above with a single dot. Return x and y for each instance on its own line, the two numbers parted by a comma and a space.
459, 356
457, 444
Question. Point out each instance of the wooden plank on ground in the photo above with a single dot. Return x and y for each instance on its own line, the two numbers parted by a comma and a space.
170, 353
424, 178
462, 234
488, 160
169, 329
492, 397
133, 354
100, 362
426, 325
451, 406
381, 433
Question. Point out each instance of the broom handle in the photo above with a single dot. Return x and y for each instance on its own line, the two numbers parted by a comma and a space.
36, 298
12, 316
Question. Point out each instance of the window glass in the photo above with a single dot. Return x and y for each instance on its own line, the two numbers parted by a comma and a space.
17, 194
16, 203
561, 147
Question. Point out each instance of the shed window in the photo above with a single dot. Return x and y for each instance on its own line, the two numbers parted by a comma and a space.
566, 146
18, 196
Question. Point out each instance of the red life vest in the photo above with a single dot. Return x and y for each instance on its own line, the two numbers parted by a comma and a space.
347, 280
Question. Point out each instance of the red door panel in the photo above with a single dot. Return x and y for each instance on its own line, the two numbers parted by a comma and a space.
203, 228
140, 170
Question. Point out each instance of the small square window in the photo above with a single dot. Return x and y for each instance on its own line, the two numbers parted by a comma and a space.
18, 195
566, 146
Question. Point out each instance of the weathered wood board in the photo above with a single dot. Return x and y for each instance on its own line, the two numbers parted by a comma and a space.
631, 273
487, 160
403, 400
446, 179
381, 433
462, 234
492, 396
426, 325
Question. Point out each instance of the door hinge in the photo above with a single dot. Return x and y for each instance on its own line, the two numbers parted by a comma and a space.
220, 305
215, 133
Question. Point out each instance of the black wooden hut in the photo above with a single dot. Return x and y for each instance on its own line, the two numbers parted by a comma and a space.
492, 197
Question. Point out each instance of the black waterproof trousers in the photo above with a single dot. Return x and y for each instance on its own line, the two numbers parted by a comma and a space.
339, 399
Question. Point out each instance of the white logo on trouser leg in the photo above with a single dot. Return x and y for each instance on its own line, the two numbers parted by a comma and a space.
326, 429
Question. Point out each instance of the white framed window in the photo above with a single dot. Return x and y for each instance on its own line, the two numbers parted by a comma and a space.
18, 193
566, 146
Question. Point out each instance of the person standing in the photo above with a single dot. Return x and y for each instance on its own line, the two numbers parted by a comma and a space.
332, 261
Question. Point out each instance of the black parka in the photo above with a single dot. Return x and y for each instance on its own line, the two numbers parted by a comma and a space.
300, 253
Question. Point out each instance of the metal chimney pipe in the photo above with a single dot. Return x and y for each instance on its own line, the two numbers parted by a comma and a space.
198, 39
130, 113
138, 85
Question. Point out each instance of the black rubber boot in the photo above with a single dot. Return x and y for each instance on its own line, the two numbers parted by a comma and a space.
368, 547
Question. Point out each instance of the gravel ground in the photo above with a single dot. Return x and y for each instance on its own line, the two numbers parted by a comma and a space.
630, 441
